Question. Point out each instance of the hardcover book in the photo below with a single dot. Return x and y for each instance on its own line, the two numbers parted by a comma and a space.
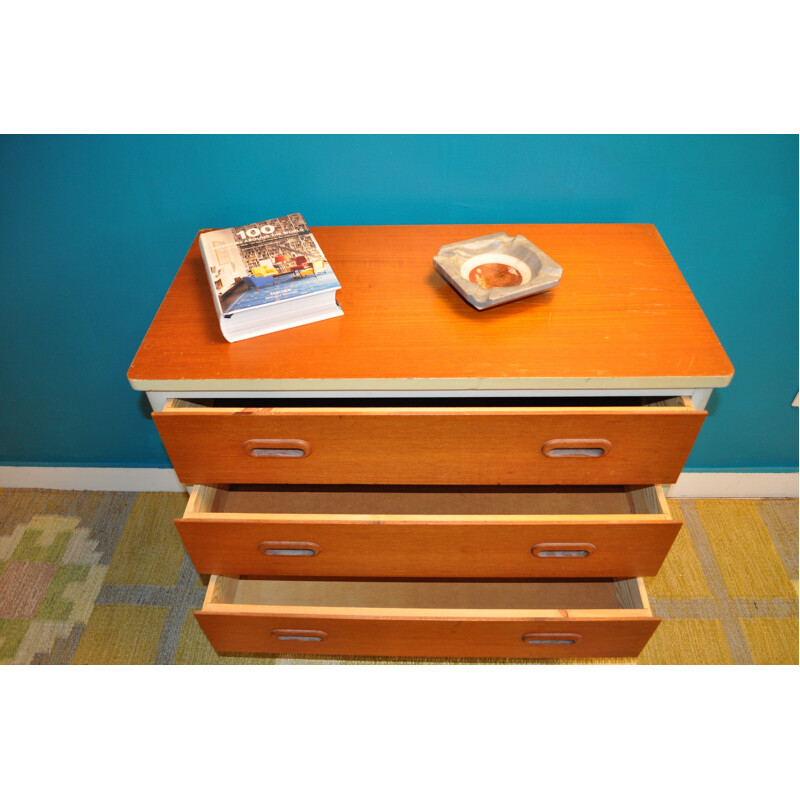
268, 276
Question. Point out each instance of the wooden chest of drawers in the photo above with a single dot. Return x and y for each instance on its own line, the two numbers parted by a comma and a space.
418, 478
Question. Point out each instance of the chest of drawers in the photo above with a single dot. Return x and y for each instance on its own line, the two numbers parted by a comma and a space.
418, 478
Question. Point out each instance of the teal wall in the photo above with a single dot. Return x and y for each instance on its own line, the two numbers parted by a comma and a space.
93, 229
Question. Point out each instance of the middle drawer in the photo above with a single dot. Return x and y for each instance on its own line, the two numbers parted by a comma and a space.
420, 531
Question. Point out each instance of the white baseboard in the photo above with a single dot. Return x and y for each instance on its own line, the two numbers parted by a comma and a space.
101, 479
690, 484
735, 484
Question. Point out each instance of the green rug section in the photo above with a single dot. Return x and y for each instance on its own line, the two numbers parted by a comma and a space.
102, 578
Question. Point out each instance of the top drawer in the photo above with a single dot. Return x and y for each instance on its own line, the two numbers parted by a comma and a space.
407, 444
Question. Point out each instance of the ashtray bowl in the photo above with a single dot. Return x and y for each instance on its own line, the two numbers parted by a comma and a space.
492, 270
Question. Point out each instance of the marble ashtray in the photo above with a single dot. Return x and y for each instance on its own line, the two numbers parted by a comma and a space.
496, 269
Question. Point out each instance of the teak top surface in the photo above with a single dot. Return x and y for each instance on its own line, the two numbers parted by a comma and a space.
622, 317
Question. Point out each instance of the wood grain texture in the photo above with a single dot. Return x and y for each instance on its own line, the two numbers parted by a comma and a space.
437, 638
439, 535
427, 548
401, 618
437, 619
622, 317
479, 445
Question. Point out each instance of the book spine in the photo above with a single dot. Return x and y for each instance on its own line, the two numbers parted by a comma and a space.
206, 264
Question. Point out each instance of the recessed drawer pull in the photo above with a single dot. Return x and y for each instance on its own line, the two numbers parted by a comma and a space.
551, 638
563, 550
288, 548
277, 448
299, 636
576, 448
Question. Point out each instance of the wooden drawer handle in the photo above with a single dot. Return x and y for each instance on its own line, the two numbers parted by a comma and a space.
563, 550
286, 635
277, 448
576, 448
288, 549
551, 638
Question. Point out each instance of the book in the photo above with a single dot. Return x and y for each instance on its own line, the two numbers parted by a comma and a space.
268, 276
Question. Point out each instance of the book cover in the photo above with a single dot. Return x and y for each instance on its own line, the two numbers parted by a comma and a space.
255, 266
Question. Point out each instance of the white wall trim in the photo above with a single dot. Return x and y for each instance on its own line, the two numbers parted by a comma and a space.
690, 484
101, 479
735, 484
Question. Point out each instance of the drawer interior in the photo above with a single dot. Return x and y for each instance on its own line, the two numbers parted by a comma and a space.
432, 501
450, 402
607, 594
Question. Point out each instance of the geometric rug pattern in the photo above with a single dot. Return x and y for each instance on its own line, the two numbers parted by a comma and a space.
102, 578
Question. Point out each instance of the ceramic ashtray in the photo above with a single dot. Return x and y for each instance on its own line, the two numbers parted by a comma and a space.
496, 269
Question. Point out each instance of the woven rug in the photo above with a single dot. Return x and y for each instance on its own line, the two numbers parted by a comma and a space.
102, 578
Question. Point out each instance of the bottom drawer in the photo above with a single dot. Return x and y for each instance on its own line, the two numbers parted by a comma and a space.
444, 619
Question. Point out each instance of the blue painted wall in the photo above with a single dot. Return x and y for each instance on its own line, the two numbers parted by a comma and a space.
93, 229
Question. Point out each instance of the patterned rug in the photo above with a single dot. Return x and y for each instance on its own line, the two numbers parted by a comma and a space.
102, 578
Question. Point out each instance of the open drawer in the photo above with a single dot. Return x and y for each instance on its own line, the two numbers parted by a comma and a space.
522, 619
597, 442
419, 531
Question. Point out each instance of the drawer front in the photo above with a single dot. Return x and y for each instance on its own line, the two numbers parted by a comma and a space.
433, 545
443, 550
483, 445
442, 633
435, 638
